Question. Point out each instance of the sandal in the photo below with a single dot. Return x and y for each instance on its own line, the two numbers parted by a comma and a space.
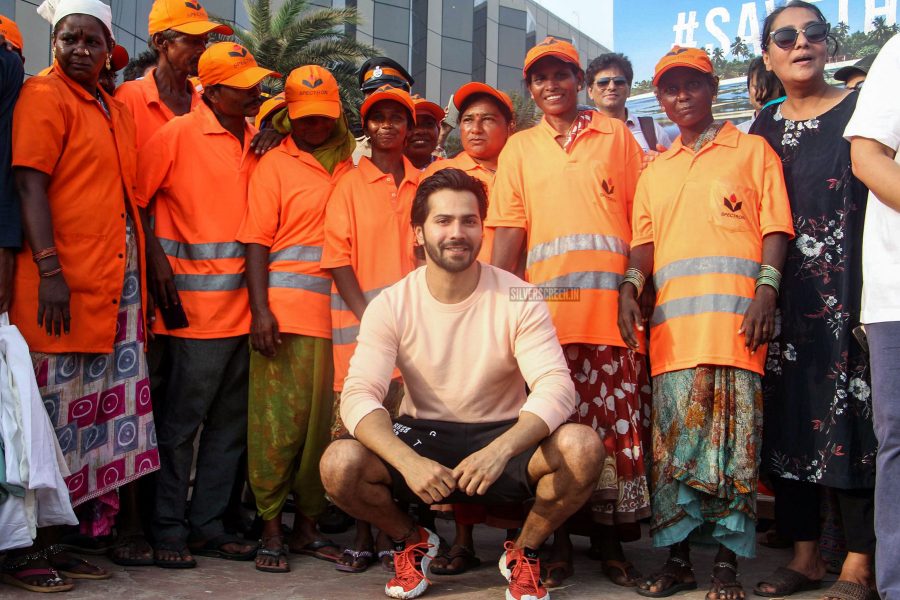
314, 549
176, 546
278, 554
73, 567
464, 556
359, 561
720, 587
212, 548
673, 571
21, 574
557, 572
785, 582
848, 590
129, 546
387, 565
621, 572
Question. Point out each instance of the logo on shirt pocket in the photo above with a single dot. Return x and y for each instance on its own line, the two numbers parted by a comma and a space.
733, 204
608, 188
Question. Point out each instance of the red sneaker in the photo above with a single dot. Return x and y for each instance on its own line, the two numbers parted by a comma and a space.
411, 566
523, 575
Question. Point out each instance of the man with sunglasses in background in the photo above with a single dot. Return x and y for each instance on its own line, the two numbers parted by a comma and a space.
609, 78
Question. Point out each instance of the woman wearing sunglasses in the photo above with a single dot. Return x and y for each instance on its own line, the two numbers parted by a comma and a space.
818, 409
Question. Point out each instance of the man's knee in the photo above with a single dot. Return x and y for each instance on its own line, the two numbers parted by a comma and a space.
342, 466
581, 449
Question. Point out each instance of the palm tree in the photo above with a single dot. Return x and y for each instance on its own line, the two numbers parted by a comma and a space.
739, 48
297, 34
881, 31
525, 111
718, 57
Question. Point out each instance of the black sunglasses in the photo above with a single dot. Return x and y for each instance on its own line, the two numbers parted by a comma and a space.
786, 37
604, 81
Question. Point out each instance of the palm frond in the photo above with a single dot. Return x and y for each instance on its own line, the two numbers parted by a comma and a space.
259, 12
288, 14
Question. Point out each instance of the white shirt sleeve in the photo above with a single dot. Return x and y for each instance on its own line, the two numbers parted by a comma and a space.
877, 114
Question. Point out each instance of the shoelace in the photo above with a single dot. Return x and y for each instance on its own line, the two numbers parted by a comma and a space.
532, 574
405, 563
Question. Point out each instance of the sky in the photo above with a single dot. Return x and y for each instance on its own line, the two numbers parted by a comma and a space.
644, 30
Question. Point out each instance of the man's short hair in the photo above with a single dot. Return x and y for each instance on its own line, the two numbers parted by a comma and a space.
447, 179
140, 63
504, 109
606, 61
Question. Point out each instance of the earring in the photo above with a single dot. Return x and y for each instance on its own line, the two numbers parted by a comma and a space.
108, 63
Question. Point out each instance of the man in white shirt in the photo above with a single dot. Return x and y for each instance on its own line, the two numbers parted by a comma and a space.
609, 78
467, 337
874, 133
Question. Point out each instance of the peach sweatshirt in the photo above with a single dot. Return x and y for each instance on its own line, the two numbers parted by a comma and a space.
466, 362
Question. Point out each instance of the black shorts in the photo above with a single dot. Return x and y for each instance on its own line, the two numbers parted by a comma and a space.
448, 444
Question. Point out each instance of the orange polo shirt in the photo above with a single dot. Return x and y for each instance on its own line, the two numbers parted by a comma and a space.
467, 164
575, 207
289, 191
367, 228
61, 130
196, 174
706, 215
141, 96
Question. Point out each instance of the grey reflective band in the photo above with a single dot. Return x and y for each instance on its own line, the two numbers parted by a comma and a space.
345, 335
299, 281
298, 253
579, 241
697, 305
209, 283
337, 303
706, 265
207, 251
585, 280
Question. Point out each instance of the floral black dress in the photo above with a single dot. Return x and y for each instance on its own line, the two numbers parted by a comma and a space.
818, 402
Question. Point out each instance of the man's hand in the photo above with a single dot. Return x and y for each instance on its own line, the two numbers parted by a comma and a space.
429, 480
264, 335
7, 266
160, 278
478, 471
265, 140
758, 325
650, 155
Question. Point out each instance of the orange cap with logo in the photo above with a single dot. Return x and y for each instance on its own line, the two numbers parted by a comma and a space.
476, 87
692, 58
312, 90
386, 92
184, 16
554, 47
10, 31
232, 65
429, 108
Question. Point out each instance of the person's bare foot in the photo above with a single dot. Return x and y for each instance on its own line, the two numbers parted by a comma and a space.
725, 585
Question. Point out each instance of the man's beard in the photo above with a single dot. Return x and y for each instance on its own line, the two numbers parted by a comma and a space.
447, 264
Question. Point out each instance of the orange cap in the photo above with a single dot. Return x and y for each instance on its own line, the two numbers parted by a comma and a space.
552, 46
184, 16
475, 87
692, 58
387, 92
232, 65
312, 90
429, 108
271, 105
10, 31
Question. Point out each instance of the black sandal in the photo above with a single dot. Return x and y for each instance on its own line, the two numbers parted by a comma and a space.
278, 554
456, 553
785, 582
175, 546
672, 571
848, 590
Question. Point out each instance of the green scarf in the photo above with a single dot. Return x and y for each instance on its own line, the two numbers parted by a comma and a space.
337, 148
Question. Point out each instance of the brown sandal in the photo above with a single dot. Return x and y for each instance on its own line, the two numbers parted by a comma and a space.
556, 572
785, 582
621, 572
848, 590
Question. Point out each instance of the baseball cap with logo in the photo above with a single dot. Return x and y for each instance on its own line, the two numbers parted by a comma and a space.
183, 16
692, 58
269, 107
232, 65
554, 47
10, 31
429, 108
387, 92
312, 90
